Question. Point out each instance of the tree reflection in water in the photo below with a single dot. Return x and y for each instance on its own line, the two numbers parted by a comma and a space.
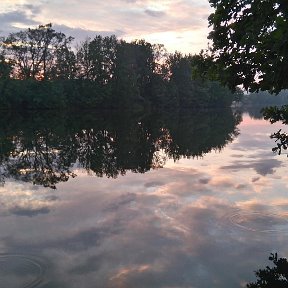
45, 148
278, 114
275, 277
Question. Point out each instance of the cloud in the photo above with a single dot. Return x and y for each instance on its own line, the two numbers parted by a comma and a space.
21, 201
154, 13
204, 180
262, 167
255, 179
15, 16
148, 230
91, 264
128, 19
240, 186
9, 21
171, 227
153, 184
81, 34
31, 9
20, 211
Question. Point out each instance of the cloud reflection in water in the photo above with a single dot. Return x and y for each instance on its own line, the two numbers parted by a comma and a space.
172, 227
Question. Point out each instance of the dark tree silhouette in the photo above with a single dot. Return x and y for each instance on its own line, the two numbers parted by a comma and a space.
250, 43
33, 51
272, 277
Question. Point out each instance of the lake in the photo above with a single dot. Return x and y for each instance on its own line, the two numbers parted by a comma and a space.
192, 199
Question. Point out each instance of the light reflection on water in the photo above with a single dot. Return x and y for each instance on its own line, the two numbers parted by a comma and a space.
206, 222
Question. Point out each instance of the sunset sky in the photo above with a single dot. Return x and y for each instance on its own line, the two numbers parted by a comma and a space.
178, 24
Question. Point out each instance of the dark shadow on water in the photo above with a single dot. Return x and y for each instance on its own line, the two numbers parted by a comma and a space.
45, 148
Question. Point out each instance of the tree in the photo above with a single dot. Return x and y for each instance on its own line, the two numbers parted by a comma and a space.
136, 61
180, 78
134, 70
5, 67
250, 41
65, 62
192, 91
33, 51
96, 59
83, 60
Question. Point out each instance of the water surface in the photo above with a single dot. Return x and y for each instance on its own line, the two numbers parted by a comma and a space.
140, 201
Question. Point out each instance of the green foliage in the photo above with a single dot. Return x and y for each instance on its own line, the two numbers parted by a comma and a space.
250, 41
203, 66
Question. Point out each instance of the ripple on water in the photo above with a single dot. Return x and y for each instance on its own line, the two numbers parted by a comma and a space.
20, 271
260, 222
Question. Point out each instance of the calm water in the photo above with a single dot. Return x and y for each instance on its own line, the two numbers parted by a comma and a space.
188, 200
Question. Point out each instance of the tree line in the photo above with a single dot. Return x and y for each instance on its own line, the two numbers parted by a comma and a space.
43, 68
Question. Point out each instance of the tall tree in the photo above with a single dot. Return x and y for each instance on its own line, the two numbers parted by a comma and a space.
5, 67
134, 68
190, 92
5, 71
96, 59
33, 51
250, 43
144, 62
83, 60
65, 62
125, 80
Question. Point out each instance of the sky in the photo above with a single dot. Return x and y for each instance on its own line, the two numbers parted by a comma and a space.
178, 24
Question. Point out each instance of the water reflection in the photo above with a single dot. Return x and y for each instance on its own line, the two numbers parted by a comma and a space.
278, 114
191, 224
275, 276
45, 149
20, 271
